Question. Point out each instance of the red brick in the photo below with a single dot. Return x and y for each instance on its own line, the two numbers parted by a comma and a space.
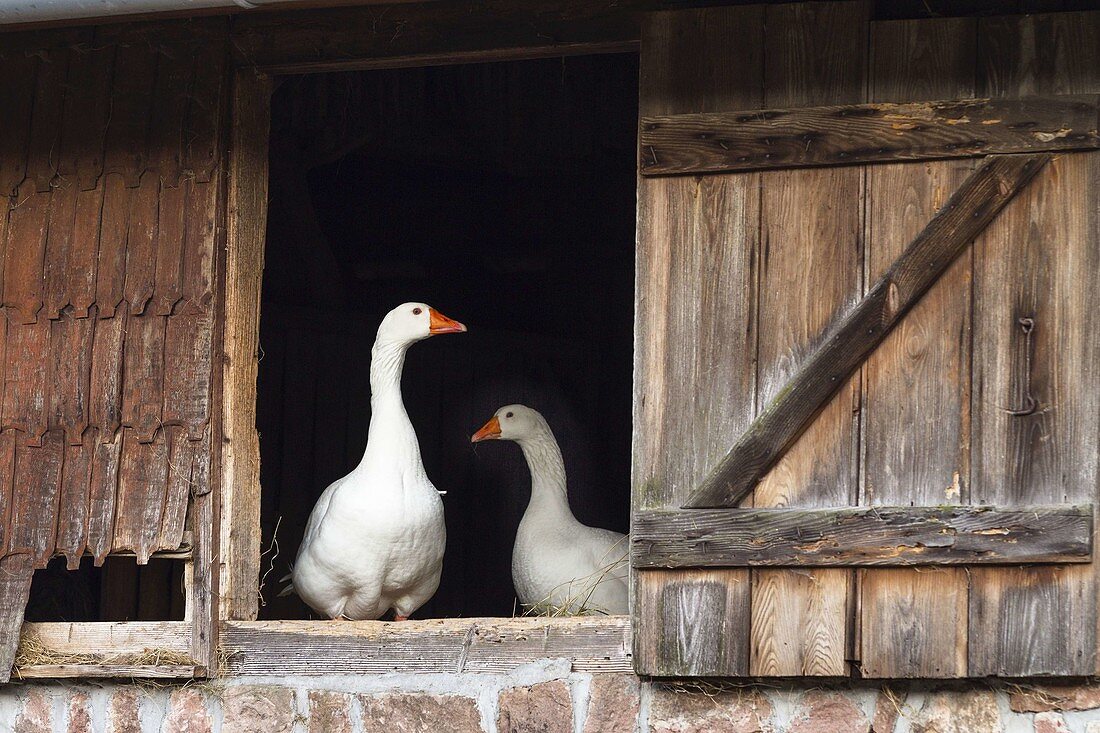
543, 708
187, 713
80, 713
124, 711
612, 704
967, 711
1050, 723
1043, 698
675, 710
888, 707
823, 711
329, 712
36, 715
258, 709
419, 713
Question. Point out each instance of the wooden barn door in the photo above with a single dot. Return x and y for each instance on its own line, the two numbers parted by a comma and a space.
768, 269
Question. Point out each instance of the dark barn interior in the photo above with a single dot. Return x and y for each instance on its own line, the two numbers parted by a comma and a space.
502, 194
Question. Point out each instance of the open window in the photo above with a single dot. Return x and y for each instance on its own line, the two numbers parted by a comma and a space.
501, 194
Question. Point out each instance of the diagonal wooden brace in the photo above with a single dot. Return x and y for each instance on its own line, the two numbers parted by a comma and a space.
852, 337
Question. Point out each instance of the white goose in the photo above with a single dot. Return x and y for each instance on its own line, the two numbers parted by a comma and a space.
375, 539
557, 562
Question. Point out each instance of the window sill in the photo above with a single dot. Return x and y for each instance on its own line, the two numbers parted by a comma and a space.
128, 649
495, 645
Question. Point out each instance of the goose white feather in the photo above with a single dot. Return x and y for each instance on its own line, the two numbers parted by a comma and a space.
557, 562
376, 537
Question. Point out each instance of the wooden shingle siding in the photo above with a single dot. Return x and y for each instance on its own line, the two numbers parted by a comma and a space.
108, 288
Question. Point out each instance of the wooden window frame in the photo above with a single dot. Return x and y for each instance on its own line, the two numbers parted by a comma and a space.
262, 648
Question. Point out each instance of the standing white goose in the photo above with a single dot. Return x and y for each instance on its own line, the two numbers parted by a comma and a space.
557, 562
375, 539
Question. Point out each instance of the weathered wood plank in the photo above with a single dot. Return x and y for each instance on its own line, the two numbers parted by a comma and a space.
852, 337
889, 536
115, 637
15, 587
1044, 246
810, 267
697, 249
915, 436
107, 671
866, 133
594, 644
240, 464
372, 37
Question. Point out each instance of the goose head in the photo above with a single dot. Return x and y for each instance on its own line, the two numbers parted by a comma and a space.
412, 322
512, 422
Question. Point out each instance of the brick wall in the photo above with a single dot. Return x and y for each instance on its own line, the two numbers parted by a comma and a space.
541, 698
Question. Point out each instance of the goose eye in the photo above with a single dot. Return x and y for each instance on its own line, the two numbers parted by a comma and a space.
508, 415
417, 311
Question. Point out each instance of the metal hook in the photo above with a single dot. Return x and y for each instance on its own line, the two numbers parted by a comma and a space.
1027, 325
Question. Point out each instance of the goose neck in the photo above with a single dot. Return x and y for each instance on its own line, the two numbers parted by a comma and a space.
548, 483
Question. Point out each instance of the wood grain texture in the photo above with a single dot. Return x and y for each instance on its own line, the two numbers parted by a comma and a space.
811, 267
849, 340
69, 369
1044, 244
400, 34
43, 147
915, 437
73, 504
490, 645
102, 494
28, 223
879, 535
27, 351
36, 488
16, 101
15, 588
142, 484
240, 462
866, 133
697, 248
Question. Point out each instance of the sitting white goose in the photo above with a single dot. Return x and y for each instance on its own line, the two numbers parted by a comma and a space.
375, 539
557, 562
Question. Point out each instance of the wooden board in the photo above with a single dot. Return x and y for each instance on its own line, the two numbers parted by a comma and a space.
593, 644
811, 267
880, 535
240, 466
915, 437
1038, 261
359, 38
866, 133
697, 248
849, 339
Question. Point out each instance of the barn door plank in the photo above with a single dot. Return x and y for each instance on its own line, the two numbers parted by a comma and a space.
1038, 261
697, 248
811, 266
916, 413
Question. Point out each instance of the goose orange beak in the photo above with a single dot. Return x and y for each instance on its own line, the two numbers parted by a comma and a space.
442, 324
489, 431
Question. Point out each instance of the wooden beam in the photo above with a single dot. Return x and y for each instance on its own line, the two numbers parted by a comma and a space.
117, 671
866, 133
244, 263
854, 335
282, 648
861, 536
432, 34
